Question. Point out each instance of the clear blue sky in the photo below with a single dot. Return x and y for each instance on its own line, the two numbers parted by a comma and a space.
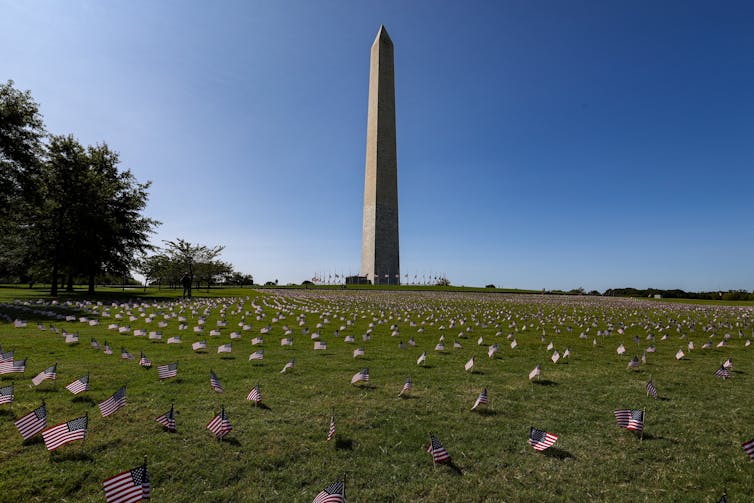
541, 144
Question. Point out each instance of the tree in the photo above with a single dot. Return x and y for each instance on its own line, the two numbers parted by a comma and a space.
21, 134
188, 256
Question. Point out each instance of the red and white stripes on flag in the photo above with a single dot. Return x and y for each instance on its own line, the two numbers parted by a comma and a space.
225, 348
748, 448
167, 371
360, 376
114, 403
630, 419
214, 382
128, 487
6, 394
48, 373
13, 366
79, 385
288, 366
422, 358
144, 361
320, 345
469, 364
33, 422
680, 354
64, 433
406, 386
331, 431
540, 439
199, 345
255, 395
334, 493
167, 419
220, 424
257, 355
535, 373
481, 400
438, 452
358, 352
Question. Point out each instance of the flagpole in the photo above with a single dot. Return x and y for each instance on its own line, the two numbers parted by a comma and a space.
83, 441
644, 421
650, 380
432, 452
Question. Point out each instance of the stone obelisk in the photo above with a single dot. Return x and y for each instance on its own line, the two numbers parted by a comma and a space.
380, 261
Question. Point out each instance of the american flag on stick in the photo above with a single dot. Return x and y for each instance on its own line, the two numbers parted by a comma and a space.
360, 376
469, 364
108, 350
64, 433
33, 422
481, 400
130, 486
651, 390
144, 361
125, 355
536, 372
167, 419
167, 371
630, 419
288, 366
422, 358
48, 373
225, 348
13, 366
540, 439
114, 403
406, 386
6, 394
438, 452
6, 356
94, 343
334, 493
257, 355
748, 448
220, 424
255, 395
634, 363
79, 385
331, 431
722, 372
680, 354
199, 345
214, 382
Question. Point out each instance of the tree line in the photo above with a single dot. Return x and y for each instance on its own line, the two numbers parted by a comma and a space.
69, 213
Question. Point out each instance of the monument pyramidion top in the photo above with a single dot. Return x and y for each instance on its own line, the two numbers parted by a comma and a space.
382, 36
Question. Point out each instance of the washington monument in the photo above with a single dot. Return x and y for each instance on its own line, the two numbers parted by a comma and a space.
380, 261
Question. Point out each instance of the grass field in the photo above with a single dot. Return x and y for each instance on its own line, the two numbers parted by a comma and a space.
690, 451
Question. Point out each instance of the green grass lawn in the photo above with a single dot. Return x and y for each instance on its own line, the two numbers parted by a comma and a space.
691, 449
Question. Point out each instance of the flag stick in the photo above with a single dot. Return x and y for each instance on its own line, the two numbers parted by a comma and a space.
650, 380
83, 440
644, 421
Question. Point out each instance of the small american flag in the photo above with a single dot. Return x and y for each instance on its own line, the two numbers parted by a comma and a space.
167, 371
214, 382
728, 364
94, 343
13, 366
108, 350
334, 493
748, 448
651, 390
288, 366
114, 403
167, 419
457, 345
6, 356
125, 355
33, 422
320, 345
481, 400
411, 342
634, 363
406, 386
199, 345
225, 348
255, 395
535, 373
256, 340
630, 419
621, 349
722, 372
257, 355
144, 361
469, 364
358, 352
438, 452
491, 350
331, 431
555, 357
79, 385
220, 424
422, 358
680, 354
440, 346
6, 394
360, 376
128, 487
174, 340
287, 341
48, 373
65, 432
540, 439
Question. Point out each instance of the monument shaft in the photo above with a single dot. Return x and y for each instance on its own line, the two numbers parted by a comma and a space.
380, 261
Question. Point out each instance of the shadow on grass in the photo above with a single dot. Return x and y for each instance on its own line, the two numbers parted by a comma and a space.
232, 441
33, 441
84, 399
343, 444
663, 399
72, 455
454, 468
554, 452
46, 390
426, 366
486, 412
262, 406
545, 382
649, 436
6, 412
227, 357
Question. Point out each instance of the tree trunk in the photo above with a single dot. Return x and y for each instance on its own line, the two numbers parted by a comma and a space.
91, 282
69, 287
54, 287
